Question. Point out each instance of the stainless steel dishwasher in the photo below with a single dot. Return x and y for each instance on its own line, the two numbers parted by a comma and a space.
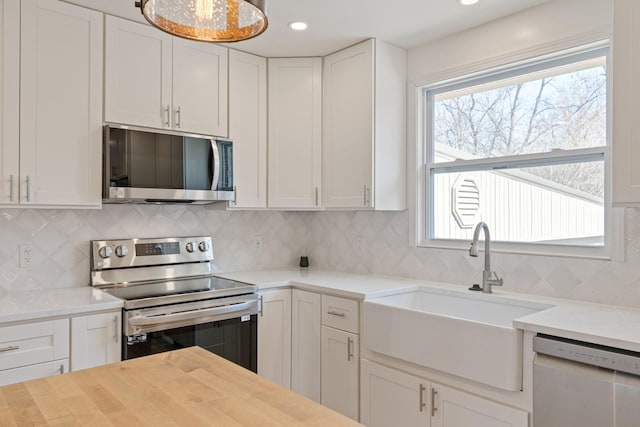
579, 384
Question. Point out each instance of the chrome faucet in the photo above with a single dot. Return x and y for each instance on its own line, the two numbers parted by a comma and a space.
489, 278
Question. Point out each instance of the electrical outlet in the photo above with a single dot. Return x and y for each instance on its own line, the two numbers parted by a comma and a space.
26, 256
258, 243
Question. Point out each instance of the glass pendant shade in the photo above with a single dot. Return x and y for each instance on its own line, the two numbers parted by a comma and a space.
207, 20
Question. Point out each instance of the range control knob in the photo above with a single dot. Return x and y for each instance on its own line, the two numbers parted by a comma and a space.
190, 248
122, 251
203, 246
105, 252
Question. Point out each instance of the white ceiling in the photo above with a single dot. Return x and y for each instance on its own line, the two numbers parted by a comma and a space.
335, 24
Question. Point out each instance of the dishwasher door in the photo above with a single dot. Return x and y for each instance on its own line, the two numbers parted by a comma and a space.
627, 397
570, 394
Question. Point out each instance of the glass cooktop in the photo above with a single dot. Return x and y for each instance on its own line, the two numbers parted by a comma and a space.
177, 291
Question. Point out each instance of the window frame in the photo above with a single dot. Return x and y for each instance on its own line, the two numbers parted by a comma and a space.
613, 248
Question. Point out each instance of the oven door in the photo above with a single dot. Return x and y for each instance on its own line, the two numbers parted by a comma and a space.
224, 326
234, 339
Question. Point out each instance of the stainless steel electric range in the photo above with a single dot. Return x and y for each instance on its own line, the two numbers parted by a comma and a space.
172, 300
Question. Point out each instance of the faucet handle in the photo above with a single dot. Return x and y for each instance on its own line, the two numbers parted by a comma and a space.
495, 280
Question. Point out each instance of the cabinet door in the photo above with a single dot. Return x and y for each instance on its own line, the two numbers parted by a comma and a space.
60, 104
305, 345
138, 74
200, 87
9, 100
454, 408
248, 128
392, 398
95, 340
295, 116
626, 103
274, 336
33, 372
33, 343
347, 146
339, 383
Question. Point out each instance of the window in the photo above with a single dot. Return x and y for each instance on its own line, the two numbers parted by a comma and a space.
523, 149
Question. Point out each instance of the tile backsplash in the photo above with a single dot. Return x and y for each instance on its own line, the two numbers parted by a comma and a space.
378, 243
359, 242
60, 238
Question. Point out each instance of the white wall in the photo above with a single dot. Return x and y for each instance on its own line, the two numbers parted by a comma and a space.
332, 238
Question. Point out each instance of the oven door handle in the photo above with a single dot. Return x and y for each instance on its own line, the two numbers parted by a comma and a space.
141, 320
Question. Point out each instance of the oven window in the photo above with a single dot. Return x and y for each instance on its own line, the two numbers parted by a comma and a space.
232, 339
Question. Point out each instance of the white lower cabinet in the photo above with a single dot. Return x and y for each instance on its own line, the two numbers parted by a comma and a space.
454, 408
339, 385
305, 344
393, 398
274, 336
95, 340
33, 350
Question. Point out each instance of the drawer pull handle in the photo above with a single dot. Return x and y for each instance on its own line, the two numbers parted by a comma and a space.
61, 370
11, 188
434, 393
10, 348
422, 402
261, 306
178, 118
349, 351
115, 329
335, 313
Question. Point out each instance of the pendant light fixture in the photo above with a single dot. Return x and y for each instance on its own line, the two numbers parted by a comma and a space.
207, 20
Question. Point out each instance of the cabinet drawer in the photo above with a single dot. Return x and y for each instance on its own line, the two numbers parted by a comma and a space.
33, 372
340, 313
32, 343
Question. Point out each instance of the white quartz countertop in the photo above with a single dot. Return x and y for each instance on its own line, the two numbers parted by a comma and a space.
20, 306
595, 323
346, 285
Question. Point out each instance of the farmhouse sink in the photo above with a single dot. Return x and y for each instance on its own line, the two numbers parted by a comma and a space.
458, 332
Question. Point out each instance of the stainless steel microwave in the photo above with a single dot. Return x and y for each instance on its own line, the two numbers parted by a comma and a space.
147, 166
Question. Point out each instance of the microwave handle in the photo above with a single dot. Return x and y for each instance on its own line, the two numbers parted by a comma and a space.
215, 165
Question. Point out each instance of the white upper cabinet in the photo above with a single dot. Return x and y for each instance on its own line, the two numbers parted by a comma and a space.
364, 128
248, 128
9, 100
626, 103
200, 85
51, 104
295, 117
159, 81
138, 74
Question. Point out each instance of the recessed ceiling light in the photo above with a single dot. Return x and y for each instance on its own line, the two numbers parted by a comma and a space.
298, 25
467, 2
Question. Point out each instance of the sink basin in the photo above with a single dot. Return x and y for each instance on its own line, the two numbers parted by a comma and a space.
462, 333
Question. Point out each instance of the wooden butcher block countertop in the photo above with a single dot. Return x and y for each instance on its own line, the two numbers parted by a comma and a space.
188, 387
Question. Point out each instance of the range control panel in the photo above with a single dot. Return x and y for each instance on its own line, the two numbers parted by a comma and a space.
123, 253
588, 353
